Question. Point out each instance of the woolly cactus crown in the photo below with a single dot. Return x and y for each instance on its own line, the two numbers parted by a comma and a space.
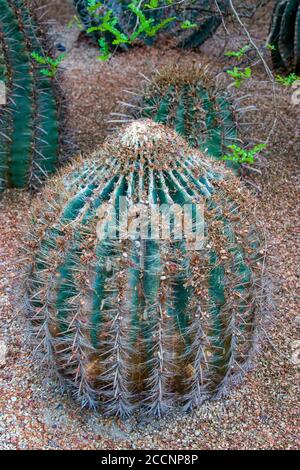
133, 323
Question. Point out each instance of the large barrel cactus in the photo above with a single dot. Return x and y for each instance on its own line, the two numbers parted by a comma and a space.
140, 322
285, 35
186, 99
29, 125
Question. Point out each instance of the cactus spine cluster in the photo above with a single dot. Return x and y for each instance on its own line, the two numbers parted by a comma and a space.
29, 129
285, 35
187, 100
145, 323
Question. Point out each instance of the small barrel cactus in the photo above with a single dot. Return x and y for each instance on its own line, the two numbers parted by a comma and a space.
186, 99
140, 322
29, 125
285, 35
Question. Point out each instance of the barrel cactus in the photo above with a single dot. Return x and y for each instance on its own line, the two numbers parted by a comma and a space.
29, 125
140, 322
285, 35
186, 99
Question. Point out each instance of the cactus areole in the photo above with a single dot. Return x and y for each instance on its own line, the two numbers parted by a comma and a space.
143, 323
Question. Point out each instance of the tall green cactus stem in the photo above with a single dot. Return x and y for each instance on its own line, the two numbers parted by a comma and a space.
29, 137
285, 35
145, 323
186, 99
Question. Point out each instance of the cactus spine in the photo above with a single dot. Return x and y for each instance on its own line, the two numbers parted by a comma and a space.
29, 137
285, 35
144, 323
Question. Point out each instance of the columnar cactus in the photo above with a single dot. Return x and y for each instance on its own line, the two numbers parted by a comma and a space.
285, 35
134, 322
187, 100
29, 127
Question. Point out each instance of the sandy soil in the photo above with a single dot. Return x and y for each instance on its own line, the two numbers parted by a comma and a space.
261, 413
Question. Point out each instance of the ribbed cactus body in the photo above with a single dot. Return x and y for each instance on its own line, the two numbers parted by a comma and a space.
29, 137
285, 35
144, 323
185, 99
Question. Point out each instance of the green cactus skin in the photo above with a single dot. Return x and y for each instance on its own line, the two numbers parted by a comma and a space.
145, 325
187, 100
208, 24
29, 129
285, 35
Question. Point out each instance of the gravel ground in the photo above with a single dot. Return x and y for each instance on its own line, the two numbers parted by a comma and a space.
261, 413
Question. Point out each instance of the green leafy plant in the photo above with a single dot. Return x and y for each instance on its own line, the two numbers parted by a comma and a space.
93, 5
289, 80
104, 49
147, 25
121, 23
52, 64
238, 54
240, 155
109, 23
155, 4
239, 75
188, 25
145, 324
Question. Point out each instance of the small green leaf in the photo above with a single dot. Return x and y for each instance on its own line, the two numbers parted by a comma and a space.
188, 25
239, 75
238, 54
